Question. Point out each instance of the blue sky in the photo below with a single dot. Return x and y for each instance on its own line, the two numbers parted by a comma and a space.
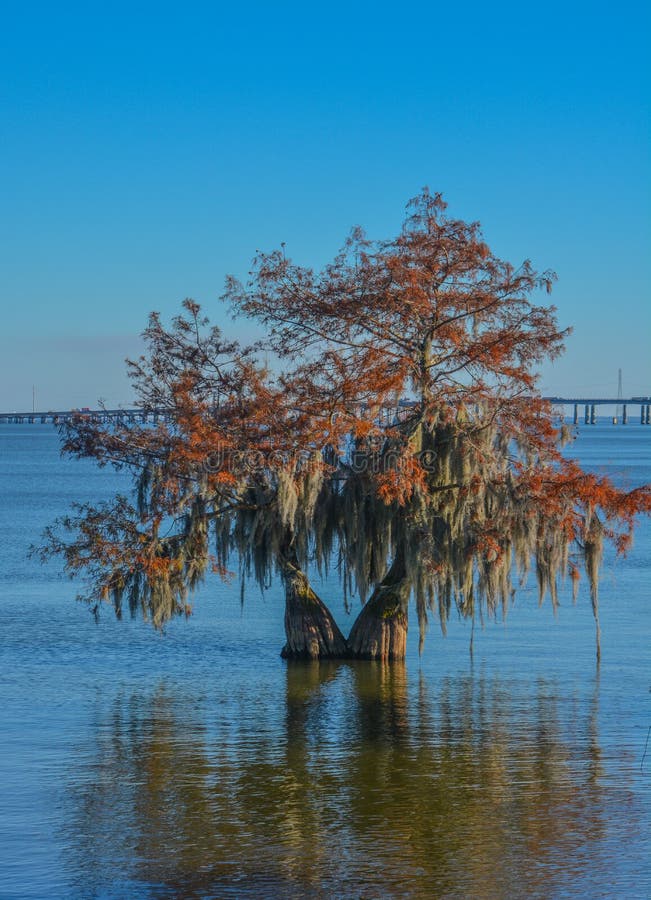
145, 153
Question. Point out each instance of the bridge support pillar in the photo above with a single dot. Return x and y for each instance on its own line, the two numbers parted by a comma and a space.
624, 415
593, 414
587, 414
646, 417
576, 413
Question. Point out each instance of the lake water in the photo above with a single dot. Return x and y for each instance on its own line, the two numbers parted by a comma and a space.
198, 764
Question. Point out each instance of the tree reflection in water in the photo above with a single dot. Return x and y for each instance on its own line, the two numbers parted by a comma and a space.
365, 783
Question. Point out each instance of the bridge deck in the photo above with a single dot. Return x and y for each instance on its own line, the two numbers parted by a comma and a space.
138, 414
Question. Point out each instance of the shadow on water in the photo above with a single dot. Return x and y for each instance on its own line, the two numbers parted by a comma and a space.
362, 782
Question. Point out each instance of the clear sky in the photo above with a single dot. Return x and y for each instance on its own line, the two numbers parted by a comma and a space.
147, 150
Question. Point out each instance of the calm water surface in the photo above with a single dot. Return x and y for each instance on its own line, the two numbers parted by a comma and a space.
199, 764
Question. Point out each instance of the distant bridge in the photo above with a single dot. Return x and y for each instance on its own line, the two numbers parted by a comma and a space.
599, 401
153, 416
590, 404
117, 416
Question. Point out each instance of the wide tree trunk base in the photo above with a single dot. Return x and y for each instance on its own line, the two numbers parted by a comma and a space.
380, 630
311, 631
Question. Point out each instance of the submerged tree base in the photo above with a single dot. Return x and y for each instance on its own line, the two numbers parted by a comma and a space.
311, 631
380, 630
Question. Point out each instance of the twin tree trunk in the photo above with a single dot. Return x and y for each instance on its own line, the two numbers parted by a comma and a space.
379, 632
311, 631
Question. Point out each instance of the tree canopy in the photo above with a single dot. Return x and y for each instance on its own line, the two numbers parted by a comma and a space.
403, 443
